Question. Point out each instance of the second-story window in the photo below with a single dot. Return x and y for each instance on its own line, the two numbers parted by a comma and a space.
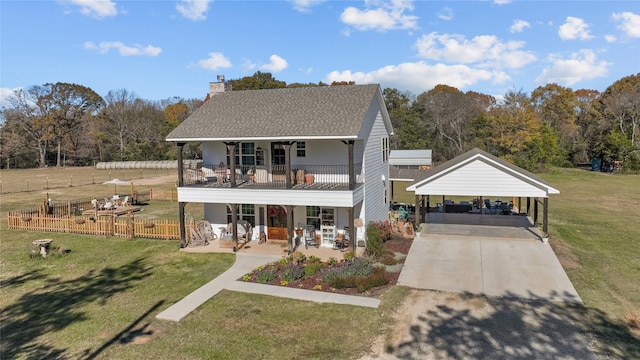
301, 149
385, 149
245, 154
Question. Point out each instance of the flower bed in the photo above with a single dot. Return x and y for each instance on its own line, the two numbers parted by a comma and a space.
354, 276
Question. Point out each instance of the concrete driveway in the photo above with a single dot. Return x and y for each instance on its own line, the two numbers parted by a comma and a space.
495, 256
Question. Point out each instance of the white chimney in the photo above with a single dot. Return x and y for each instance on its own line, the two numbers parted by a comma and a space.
219, 87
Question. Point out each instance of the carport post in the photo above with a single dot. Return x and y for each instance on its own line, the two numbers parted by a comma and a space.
418, 220
545, 216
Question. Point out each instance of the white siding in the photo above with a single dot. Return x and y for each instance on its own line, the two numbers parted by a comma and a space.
478, 178
375, 208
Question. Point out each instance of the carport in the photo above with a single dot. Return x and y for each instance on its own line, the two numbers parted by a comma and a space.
479, 174
495, 255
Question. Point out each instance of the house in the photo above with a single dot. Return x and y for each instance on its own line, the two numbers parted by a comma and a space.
301, 156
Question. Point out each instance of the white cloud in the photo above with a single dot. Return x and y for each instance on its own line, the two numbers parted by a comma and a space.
215, 61
446, 13
94, 8
381, 15
579, 66
574, 28
610, 38
304, 6
628, 22
193, 9
501, 2
419, 76
124, 50
5, 94
276, 64
519, 25
485, 50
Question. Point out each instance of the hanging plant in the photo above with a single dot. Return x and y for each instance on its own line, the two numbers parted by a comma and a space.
274, 211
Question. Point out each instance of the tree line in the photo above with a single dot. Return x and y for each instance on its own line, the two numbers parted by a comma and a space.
65, 124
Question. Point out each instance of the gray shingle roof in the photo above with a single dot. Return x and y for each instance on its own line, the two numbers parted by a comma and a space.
327, 111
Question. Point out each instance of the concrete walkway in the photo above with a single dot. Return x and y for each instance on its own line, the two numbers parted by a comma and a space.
245, 263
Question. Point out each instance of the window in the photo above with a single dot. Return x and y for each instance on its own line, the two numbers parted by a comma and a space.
385, 149
301, 149
313, 216
245, 212
245, 154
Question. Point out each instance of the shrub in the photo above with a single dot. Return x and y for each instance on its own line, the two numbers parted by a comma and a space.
266, 275
388, 259
284, 261
314, 259
374, 240
360, 266
311, 268
298, 257
291, 272
362, 283
349, 255
332, 261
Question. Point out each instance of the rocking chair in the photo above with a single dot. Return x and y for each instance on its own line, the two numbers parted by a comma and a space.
310, 238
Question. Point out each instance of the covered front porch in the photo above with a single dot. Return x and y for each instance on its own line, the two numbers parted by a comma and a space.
254, 247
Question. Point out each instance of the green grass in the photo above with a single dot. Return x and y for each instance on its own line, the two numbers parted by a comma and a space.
596, 218
99, 299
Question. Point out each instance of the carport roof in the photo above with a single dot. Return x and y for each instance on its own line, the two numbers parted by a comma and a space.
478, 173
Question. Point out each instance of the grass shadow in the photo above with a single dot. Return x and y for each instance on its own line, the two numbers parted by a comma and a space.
58, 304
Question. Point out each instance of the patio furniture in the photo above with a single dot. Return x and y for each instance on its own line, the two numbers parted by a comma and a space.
342, 240
310, 238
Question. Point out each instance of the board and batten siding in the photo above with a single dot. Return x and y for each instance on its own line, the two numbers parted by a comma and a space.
375, 208
479, 178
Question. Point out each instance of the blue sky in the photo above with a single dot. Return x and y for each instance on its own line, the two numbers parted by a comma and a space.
161, 49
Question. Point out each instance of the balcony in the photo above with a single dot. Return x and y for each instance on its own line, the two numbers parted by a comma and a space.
301, 177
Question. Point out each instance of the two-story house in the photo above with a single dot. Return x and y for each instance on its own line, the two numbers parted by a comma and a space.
282, 159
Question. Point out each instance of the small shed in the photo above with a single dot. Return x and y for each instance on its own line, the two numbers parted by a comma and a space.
410, 159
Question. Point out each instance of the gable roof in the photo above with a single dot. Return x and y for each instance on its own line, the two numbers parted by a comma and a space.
327, 112
477, 172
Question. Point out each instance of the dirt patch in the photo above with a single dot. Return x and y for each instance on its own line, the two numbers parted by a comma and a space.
441, 325
565, 255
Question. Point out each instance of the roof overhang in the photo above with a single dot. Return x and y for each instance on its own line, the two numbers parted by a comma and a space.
278, 138
481, 174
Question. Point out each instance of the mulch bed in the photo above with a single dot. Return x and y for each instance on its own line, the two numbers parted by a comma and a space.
397, 245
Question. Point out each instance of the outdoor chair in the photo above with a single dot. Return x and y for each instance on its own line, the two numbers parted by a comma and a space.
342, 242
310, 238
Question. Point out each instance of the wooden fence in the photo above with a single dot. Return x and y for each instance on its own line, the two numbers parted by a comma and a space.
125, 226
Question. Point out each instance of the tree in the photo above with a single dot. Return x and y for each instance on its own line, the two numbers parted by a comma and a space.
404, 119
71, 108
28, 120
584, 103
447, 113
556, 106
516, 133
615, 115
258, 81
120, 114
